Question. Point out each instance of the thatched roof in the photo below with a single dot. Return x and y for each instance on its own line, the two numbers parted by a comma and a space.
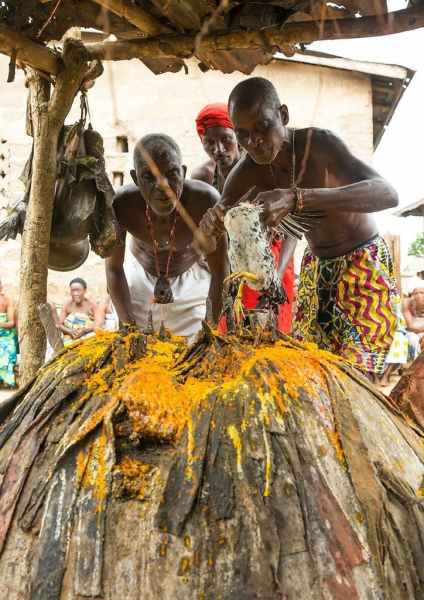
224, 34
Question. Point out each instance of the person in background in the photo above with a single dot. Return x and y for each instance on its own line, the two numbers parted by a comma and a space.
8, 340
77, 319
216, 132
413, 312
106, 317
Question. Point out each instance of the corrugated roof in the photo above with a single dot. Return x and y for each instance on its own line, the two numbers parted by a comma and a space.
388, 83
414, 209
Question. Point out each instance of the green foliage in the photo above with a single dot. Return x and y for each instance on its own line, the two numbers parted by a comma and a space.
417, 246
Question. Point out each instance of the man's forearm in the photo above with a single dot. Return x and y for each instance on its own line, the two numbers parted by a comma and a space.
120, 295
371, 195
215, 296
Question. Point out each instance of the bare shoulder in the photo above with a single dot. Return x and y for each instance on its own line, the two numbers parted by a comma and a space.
204, 172
198, 197
126, 192
325, 141
200, 192
333, 154
6, 300
317, 138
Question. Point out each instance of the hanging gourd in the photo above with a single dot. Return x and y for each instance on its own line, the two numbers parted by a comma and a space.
82, 216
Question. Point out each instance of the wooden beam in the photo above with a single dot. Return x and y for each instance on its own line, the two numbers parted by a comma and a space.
43, 59
137, 16
275, 37
28, 52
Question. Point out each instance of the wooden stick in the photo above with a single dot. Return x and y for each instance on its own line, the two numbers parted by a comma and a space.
137, 16
52, 332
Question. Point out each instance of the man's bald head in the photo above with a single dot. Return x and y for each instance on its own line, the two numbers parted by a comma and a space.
252, 91
166, 154
157, 145
259, 119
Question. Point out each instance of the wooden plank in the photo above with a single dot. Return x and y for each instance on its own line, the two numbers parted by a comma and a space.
28, 52
184, 46
275, 37
135, 15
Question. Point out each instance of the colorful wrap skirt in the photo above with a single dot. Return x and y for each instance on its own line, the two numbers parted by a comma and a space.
8, 353
349, 305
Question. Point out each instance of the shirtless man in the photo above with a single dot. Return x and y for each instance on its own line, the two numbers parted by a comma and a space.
413, 312
347, 299
216, 132
159, 270
78, 315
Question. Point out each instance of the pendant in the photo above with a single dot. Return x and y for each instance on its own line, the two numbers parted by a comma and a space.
163, 292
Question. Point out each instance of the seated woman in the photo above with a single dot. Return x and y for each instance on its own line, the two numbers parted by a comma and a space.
8, 340
77, 319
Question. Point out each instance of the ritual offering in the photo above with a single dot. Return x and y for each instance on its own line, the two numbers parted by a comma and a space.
241, 467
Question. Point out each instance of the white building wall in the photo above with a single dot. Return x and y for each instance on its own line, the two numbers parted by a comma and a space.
129, 100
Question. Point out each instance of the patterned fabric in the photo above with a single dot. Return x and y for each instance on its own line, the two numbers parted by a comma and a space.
8, 353
76, 320
285, 311
399, 350
349, 305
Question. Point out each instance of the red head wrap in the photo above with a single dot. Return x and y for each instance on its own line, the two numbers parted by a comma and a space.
213, 115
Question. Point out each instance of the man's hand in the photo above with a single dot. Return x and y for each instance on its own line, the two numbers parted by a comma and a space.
212, 222
276, 204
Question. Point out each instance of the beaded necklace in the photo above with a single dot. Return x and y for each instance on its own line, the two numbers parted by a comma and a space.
162, 293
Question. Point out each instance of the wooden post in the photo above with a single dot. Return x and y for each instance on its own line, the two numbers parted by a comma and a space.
48, 115
393, 241
52, 332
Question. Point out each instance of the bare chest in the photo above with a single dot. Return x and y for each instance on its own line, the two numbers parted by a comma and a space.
307, 174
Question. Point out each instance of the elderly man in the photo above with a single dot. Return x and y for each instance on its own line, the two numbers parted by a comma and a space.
158, 272
216, 132
347, 300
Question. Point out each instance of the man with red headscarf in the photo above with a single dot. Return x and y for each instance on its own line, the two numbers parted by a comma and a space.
217, 135
216, 132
